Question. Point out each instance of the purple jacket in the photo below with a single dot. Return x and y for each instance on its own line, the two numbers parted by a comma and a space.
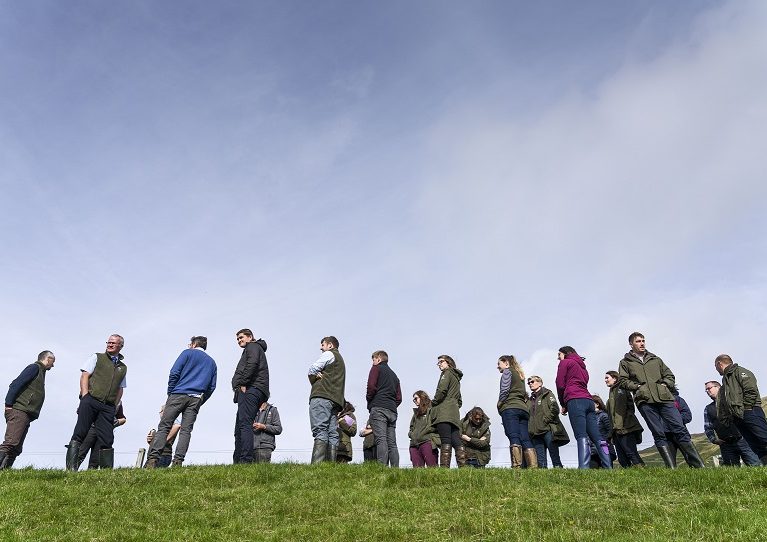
572, 379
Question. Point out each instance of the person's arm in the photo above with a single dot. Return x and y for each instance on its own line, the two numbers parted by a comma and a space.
349, 429
275, 427
85, 378
442, 387
211, 386
708, 429
175, 371
684, 410
372, 386
119, 395
666, 376
17, 386
505, 387
624, 378
174, 429
317, 367
398, 396
748, 383
482, 443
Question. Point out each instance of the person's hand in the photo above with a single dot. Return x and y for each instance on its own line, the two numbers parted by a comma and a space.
150, 436
319, 375
259, 426
483, 438
7, 408
467, 438
563, 410
243, 389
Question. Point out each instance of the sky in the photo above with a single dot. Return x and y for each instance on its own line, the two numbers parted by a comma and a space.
463, 178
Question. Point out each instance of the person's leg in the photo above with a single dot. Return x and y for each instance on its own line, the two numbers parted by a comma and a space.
429, 453
89, 445
391, 438
576, 411
592, 428
174, 405
105, 436
551, 446
247, 410
379, 423
262, 455
17, 426
320, 414
188, 417
748, 455
753, 427
444, 430
540, 450
415, 457
730, 454
237, 440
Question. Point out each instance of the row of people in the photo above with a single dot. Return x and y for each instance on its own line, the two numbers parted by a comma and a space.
642, 379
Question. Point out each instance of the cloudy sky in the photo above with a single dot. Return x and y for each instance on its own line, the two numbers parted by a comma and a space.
474, 179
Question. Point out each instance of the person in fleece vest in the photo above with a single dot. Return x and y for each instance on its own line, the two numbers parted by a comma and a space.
102, 380
22, 406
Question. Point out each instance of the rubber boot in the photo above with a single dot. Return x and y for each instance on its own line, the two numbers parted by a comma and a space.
10, 460
107, 458
177, 463
331, 453
319, 451
665, 455
516, 456
445, 454
691, 455
531, 458
3, 460
73, 451
460, 456
151, 463
584, 452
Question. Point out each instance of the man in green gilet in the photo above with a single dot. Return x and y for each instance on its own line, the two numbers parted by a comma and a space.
22, 406
102, 379
327, 376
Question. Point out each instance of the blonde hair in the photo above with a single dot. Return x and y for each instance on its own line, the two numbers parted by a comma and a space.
513, 364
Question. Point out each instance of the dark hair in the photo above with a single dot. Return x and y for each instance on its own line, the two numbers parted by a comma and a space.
713, 383
613, 374
600, 404
724, 359
331, 340
44, 354
245, 331
383, 356
450, 361
425, 402
568, 350
634, 336
513, 364
202, 342
476, 410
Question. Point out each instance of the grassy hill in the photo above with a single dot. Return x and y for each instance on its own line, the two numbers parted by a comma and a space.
285, 502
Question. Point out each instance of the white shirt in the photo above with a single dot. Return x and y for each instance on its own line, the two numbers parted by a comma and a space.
325, 359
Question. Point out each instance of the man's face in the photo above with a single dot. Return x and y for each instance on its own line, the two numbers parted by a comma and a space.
326, 346
49, 360
114, 345
243, 339
719, 367
712, 390
376, 360
637, 345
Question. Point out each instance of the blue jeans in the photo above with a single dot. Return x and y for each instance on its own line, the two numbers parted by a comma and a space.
323, 419
583, 419
733, 451
546, 442
662, 418
515, 426
247, 410
753, 427
384, 424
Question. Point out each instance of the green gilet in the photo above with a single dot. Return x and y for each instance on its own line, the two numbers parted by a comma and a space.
31, 399
517, 397
333, 382
105, 380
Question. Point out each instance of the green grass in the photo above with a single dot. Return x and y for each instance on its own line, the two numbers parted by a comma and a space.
366, 502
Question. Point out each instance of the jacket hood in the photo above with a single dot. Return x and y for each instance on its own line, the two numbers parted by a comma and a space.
629, 356
485, 418
458, 373
574, 356
261, 343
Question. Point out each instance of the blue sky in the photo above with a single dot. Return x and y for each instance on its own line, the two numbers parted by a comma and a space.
427, 178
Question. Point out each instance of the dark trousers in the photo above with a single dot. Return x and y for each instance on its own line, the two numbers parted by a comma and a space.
626, 449
90, 444
384, 424
753, 427
515, 426
546, 442
662, 418
732, 452
449, 434
16, 428
101, 415
247, 410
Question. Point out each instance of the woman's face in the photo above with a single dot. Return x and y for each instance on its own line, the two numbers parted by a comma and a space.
596, 406
534, 385
417, 400
610, 381
442, 364
560, 356
502, 365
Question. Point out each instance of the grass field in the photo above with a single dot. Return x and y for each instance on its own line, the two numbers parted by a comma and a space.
367, 502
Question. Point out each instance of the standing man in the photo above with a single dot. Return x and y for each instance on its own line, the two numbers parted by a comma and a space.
265, 428
251, 388
740, 404
651, 381
22, 406
191, 382
732, 445
383, 397
102, 381
327, 376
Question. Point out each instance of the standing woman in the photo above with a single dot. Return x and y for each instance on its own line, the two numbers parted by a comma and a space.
512, 406
445, 409
424, 440
627, 432
574, 396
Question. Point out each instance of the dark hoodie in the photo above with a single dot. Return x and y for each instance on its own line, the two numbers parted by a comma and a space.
447, 399
572, 379
252, 370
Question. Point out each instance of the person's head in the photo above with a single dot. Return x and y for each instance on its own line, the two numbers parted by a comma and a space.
422, 401
722, 362
444, 361
712, 388
244, 336
379, 356
476, 416
535, 383
611, 378
637, 343
598, 403
198, 341
509, 361
115, 343
47, 358
564, 351
329, 343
